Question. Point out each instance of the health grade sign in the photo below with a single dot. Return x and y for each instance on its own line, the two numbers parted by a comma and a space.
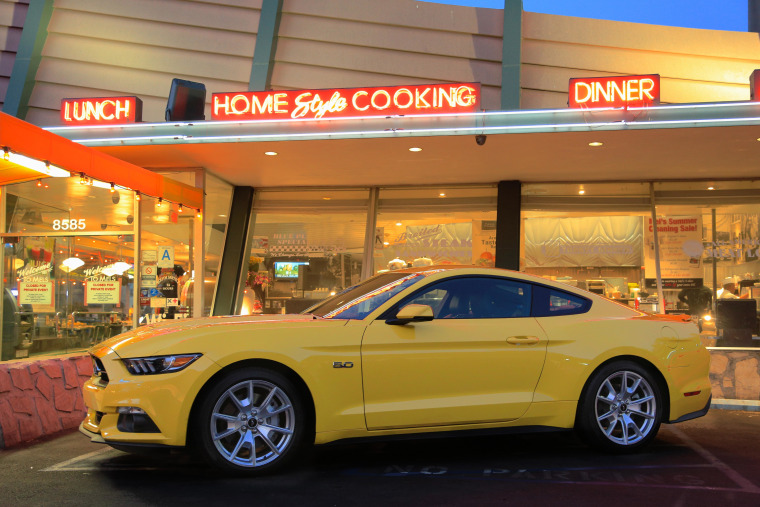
347, 102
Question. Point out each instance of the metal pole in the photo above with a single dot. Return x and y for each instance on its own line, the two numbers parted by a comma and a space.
137, 261
368, 265
660, 293
715, 263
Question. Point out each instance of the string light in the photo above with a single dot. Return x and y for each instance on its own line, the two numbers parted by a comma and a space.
6, 153
137, 196
82, 181
160, 201
179, 209
39, 183
113, 188
198, 214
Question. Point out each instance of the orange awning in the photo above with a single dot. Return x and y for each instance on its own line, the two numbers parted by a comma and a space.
29, 140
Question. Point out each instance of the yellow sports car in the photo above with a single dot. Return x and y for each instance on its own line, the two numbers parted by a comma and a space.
420, 350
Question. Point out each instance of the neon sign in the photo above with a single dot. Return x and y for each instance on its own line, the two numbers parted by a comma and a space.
346, 102
617, 91
102, 110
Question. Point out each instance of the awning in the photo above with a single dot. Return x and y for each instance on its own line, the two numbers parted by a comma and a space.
44, 154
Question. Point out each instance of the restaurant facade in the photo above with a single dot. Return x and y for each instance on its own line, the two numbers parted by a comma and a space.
340, 139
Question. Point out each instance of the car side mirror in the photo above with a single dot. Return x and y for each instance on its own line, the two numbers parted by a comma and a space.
412, 313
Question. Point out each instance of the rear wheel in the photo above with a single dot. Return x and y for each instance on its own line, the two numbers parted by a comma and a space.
251, 421
621, 409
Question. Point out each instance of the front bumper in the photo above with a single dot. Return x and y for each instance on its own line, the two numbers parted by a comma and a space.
166, 399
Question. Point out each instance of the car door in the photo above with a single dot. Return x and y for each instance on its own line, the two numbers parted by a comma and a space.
477, 361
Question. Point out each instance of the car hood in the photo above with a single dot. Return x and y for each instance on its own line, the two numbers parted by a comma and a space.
157, 336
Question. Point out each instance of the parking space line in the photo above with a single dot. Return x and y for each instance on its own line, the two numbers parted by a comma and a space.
745, 484
82, 464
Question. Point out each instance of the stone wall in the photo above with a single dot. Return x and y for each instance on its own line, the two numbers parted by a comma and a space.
41, 397
735, 374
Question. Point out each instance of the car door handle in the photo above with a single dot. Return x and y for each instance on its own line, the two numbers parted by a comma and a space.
522, 340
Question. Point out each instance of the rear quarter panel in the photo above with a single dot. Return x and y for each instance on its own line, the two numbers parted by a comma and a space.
579, 344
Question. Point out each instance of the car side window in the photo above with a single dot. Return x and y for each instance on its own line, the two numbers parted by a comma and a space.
475, 298
549, 302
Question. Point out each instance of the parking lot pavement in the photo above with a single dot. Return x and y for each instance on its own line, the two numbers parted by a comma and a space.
700, 462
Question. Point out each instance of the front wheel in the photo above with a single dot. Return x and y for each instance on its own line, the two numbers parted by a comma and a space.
251, 421
621, 409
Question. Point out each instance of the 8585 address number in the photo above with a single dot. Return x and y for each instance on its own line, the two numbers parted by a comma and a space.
69, 225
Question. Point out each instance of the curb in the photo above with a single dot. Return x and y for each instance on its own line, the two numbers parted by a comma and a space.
745, 405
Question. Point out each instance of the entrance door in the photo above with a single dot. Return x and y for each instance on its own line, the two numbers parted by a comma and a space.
478, 361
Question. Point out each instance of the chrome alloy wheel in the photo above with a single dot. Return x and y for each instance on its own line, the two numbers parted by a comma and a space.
252, 423
625, 407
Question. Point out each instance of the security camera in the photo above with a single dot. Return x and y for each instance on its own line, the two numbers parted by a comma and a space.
104, 226
130, 219
480, 139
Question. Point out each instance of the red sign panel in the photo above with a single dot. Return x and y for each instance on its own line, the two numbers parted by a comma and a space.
346, 102
754, 85
618, 91
101, 111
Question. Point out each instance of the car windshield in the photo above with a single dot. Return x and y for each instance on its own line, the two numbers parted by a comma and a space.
360, 300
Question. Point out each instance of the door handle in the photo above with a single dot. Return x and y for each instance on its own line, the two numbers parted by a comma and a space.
522, 340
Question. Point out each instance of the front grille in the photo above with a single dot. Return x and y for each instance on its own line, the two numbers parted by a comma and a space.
99, 371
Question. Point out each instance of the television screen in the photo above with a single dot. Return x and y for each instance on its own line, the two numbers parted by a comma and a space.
288, 269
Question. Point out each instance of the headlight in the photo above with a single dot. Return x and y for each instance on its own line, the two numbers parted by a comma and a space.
159, 364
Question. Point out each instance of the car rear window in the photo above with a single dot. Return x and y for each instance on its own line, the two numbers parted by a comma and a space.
548, 302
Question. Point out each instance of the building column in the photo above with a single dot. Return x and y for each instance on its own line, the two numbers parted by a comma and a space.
233, 267
28, 56
266, 46
508, 236
511, 55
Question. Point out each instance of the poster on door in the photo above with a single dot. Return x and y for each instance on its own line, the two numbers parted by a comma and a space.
680, 239
484, 243
102, 292
35, 293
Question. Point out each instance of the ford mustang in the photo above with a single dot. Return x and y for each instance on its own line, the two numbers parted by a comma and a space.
412, 351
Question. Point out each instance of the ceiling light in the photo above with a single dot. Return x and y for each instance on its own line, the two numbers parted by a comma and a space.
386, 243
595, 144
710, 188
270, 153
71, 264
415, 149
40, 166
441, 195
581, 192
327, 198
398, 224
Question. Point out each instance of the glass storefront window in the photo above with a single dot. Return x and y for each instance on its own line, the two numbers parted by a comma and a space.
588, 235
306, 245
166, 260
67, 266
435, 225
710, 256
218, 201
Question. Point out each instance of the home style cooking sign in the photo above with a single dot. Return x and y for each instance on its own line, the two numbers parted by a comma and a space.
347, 102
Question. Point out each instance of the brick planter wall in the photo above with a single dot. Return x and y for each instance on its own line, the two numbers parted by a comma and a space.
41, 397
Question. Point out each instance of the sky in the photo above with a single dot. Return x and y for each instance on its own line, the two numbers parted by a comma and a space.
710, 14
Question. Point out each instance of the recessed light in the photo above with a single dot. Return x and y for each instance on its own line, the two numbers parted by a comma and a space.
327, 198
223, 216
441, 195
710, 188
581, 192
386, 243
398, 224
270, 153
595, 144
415, 149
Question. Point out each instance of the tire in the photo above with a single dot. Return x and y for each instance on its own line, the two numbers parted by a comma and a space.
614, 419
247, 438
